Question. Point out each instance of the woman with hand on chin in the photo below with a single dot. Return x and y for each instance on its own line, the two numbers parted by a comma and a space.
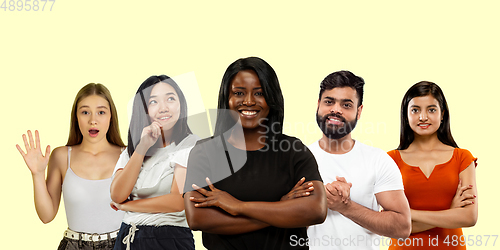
266, 186
439, 177
150, 173
81, 170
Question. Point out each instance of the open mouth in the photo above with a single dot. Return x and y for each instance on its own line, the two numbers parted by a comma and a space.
93, 132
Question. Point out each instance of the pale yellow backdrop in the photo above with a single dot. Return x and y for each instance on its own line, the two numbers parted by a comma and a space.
47, 56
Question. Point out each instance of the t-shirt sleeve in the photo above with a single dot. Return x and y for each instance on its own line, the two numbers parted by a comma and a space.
181, 157
466, 159
304, 163
388, 174
122, 161
197, 168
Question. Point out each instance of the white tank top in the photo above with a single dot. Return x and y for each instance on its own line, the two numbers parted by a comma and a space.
87, 204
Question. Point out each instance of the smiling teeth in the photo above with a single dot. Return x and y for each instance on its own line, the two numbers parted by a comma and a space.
164, 118
249, 112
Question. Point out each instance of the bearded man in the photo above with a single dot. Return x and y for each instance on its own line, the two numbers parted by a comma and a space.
360, 179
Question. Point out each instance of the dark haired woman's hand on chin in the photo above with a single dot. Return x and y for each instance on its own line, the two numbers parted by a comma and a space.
149, 136
462, 199
216, 198
300, 189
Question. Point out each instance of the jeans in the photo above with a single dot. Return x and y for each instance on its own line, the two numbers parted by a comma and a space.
70, 244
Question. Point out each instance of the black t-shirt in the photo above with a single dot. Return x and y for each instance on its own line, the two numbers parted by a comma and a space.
262, 175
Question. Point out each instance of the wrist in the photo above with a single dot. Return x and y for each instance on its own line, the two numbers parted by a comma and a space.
141, 149
241, 208
125, 206
38, 175
414, 214
345, 207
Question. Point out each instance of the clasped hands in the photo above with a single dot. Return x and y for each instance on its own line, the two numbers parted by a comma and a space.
338, 194
219, 198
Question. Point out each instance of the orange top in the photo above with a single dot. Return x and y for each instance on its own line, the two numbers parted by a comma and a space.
433, 194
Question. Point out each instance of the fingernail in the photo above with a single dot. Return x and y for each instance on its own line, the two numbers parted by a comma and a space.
472, 202
307, 193
470, 185
474, 196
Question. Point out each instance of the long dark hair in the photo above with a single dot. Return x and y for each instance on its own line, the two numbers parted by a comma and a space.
424, 88
140, 118
113, 135
270, 88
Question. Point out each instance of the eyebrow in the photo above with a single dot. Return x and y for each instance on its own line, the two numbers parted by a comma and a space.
86, 106
430, 106
246, 88
343, 100
169, 93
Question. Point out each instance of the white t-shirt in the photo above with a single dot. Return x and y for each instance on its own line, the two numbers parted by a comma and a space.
155, 179
371, 171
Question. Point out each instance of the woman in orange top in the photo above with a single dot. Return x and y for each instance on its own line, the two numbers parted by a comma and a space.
432, 167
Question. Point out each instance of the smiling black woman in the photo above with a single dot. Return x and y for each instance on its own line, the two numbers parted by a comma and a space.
276, 193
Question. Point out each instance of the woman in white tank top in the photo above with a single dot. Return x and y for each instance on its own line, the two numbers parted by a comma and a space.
81, 170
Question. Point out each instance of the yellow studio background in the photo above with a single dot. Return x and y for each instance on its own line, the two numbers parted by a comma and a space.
47, 56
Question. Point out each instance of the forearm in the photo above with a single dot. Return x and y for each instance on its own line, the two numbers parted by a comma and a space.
44, 205
386, 223
450, 218
216, 221
465, 216
417, 227
162, 204
125, 179
300, 212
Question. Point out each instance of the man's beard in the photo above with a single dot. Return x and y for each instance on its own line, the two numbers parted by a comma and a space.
334, 131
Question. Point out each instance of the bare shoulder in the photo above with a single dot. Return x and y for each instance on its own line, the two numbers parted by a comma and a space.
407, 153
114, 152
116, 149
59, 157
445, 148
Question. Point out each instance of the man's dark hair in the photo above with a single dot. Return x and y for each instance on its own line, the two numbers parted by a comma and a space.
340, 79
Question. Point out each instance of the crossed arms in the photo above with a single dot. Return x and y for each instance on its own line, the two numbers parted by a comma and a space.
218, 212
